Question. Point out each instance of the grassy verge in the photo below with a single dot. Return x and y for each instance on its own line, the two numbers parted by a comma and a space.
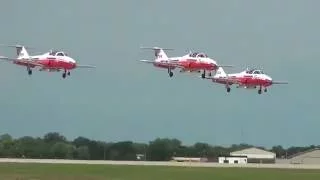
11, 171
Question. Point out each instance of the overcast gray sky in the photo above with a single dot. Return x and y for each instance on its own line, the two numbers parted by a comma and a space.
125, 100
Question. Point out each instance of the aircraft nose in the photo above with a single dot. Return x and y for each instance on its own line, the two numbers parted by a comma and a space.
269, 78
74, 63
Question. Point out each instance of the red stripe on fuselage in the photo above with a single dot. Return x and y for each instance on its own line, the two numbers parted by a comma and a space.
191, 64
56, 64
245, 81
50, 64
249, 81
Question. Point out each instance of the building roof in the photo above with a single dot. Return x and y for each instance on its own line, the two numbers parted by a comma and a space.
304, 153
254, 153
189, 159
311, 156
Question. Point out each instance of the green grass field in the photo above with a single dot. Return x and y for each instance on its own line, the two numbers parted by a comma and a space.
10, 171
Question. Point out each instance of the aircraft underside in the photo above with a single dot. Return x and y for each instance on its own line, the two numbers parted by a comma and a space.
260, 87
203, 75
192, 69
64, 74
246, 87
50, 69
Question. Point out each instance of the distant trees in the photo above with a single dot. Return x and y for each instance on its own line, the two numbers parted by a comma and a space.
55, 145
163, 149
280, 151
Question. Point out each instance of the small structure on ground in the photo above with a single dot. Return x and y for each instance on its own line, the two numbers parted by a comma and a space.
233, 160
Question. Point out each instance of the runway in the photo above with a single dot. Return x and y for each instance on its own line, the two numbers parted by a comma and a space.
161, 163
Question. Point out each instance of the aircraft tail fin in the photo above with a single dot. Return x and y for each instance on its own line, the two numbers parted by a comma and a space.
21, 51
220, 73
158, 52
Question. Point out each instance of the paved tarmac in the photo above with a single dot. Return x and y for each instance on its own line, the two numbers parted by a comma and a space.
161, 163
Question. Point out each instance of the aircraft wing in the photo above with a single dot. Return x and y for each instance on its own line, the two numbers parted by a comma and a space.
175, 62
6, 58
146, 61
25, 61
225, 65
85, 66
223, 80
30, 62
169, 62
280, 82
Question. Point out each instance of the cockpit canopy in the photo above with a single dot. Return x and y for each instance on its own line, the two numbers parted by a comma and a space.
254, 71
197, 54
57, 53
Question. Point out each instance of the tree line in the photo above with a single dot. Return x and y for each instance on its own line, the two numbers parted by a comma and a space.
54, 145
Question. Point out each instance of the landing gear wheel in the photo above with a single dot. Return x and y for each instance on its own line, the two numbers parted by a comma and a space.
64, 75
228, 89
69, 73
259, 91
265, 90
29, 71
210, 74
170, 73
203, 76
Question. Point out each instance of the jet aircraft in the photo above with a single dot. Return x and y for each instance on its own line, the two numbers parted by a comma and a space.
249, 79
53, 61
191, 62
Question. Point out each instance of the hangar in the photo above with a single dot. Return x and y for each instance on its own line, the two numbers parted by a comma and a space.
307, 157
255, 155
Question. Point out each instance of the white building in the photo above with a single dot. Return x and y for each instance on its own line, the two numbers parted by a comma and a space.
233, 160
255, 155
189, 159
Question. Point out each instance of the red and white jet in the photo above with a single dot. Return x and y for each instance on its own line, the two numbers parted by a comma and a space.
249, 79
192, 62
53, 61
